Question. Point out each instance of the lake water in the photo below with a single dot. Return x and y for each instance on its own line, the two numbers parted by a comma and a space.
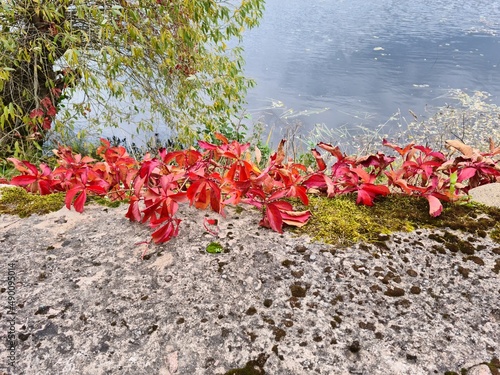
358, 62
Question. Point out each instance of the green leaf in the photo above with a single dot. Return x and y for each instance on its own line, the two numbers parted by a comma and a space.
215, 248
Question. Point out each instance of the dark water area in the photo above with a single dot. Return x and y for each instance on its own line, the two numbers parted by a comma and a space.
359, 62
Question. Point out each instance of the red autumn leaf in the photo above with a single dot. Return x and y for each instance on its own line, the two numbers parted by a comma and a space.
207, 146
38, 112
190, 159
153, 202
221, 138
133, 212
23, 180
202, 199
365, 198
396, 178
379, 161
46, 125
51, 111
282, 205
138, 184
56, 92
106, 143
299, 192
79, 202
274, 218
232, 196
367, 192
319, 160
376, 189
70, 194
116, 154
435, 206
24, 166
168, 209
363, 175
399, 150
240, 171
255, 192
215, 197
296, 218
466, 173
194, 189
335, 151
280, 212
148, 167
418, 166
166, 231
46, 102
277, 195
32, 179
204, 192
427, 151
278, 157
214, 222
319, 181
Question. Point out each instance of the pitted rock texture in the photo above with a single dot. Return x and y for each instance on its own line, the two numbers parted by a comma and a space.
87, 304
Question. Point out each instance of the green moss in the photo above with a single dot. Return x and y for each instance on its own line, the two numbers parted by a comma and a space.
495, 233
247, 370
340, 221
103, 201
238, 209
17, 201
253, 367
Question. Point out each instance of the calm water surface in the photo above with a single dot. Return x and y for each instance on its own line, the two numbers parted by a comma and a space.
358, 61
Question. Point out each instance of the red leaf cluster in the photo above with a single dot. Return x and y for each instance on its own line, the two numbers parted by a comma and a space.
224, 174
350, 175
46, 111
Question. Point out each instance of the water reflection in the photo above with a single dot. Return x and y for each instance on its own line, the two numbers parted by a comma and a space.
365, 60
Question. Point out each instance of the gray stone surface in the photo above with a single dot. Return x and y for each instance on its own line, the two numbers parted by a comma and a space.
487, 194
479, 370
87, 304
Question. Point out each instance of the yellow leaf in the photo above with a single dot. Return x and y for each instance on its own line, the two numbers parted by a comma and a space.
467, 151
258, 155
71, 57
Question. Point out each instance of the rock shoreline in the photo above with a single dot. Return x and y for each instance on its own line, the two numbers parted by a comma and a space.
278, 304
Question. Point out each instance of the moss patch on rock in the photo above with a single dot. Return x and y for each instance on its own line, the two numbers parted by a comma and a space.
104, 201
495, 233
340, 221
253, 367
17, 201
